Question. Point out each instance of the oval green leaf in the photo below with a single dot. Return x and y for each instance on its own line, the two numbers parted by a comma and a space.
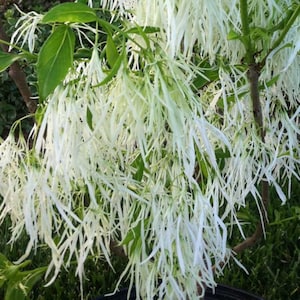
112, 53
55, 59
70, 12
6, 59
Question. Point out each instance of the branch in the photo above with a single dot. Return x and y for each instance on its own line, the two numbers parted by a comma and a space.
260, 227
253, 79
18, 75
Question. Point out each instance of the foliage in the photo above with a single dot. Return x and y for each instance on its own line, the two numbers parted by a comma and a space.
274, 264
12, 107
100, 277
145, 133
18, 284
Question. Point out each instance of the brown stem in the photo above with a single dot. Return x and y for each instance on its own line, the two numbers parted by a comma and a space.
117, 249
260, 227
18, 76
253, 77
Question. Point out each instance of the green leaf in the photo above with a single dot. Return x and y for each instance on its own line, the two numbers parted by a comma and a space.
39, 114
203, 168
6, 59
89, 118
221, 156
220, 153
259, 33
233, 35
270, 82
18, 284
139, 165
31, 277
112, 53
83, 53
15, 291
8, 112
70, 12
210, 74
133, 237
142, 32
146, 29
114, 70
55, 59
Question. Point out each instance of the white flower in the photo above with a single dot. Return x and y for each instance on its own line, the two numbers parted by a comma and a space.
27, 26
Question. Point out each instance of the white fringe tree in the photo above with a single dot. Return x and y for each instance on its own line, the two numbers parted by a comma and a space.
146, 159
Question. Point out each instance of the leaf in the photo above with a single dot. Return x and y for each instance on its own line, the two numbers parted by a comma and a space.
55, 59
133, 239
39, 114
83, 53
18, 284
220, 153
6, 59
221, 156
259, 33
112, 53
31, 277
210, 74
139, 165
203, 168
70, 12
146, 29
4, 263
233, 35
141, 31
15, 291
114, 70
270, 82
89, 118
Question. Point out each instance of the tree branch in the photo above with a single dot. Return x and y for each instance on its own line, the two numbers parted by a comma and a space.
18, 76
253, 79
260, 227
